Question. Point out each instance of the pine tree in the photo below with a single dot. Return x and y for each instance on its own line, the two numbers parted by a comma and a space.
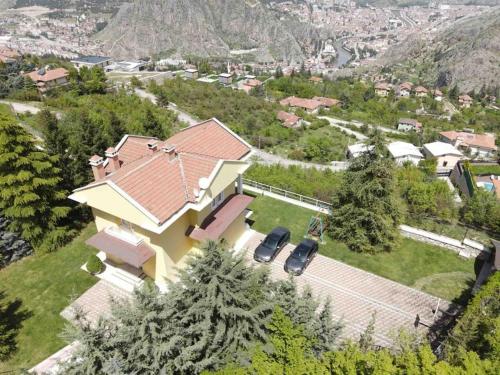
328, 332
365, 212
152, 127
366, 341
30, 194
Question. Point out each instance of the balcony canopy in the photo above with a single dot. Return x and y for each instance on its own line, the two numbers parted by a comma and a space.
135, 254
219, 220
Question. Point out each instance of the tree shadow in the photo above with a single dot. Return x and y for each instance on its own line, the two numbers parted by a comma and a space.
12, 317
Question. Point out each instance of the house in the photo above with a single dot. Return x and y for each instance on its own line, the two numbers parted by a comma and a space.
481, 145
465, 101
404, 152
409, 124
225, 78
309, 105
327, 102
445, 154
437, 94
127, 66
353, 151
404, 89
91, 61
316, 80
289, 120
156, 202
421, 91
8, 55
382, 89
191, 73
250, 84
46, 80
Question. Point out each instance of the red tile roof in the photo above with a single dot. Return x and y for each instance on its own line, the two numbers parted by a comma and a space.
253, 83
293, 101
162, 184
471, 139
50, 75
382, 86
421, 89
327, 102
288, 119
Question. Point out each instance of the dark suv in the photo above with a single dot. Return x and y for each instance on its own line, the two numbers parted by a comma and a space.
301, 256
272, 245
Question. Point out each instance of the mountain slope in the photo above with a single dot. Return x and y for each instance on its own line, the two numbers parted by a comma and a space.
200, 27
467, 53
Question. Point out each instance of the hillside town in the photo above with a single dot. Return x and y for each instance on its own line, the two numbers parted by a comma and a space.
178, 214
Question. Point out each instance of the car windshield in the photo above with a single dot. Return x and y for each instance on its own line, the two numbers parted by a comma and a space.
271, 240
300, 252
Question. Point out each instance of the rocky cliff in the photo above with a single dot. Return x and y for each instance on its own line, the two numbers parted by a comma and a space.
203, 28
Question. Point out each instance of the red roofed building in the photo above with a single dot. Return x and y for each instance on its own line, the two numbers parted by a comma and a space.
8, 55
46, 80
465, 101
421, 91
250, 84
309, 105
289, 120
327, 102
404, 89
155, 201
481, 145
382, 89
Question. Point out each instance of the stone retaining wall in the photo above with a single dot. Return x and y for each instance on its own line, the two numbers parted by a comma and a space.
467, 248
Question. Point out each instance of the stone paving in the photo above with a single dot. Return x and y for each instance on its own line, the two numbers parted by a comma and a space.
357, 294
95, 302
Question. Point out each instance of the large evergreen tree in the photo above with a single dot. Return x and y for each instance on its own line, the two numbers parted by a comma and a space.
30, 193
218, 309
365, 212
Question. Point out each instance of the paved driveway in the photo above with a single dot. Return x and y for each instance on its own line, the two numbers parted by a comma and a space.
356, 294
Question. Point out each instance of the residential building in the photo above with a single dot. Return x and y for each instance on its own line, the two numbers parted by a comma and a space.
404, 89
309, 105
8, 55
445, 154
465, 101
191, 73
480, 145
250, 84
421, 91
289, 120
126, 66
382, 89
409, 124
316, 80
46, 80
353, 151
91, 61
404, 152
225, 78
437, 94
156, 202
327, 102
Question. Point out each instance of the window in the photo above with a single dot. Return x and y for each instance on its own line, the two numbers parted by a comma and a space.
218, 200
445, 163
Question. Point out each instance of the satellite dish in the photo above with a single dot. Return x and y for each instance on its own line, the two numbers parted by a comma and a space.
203, 183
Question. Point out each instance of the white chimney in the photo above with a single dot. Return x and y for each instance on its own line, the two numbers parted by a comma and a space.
153, 145
170, 151
97, 164
114, 162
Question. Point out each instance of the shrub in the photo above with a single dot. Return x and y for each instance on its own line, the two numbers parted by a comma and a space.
94, 265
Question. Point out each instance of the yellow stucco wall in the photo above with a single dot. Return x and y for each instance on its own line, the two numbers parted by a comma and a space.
172, 246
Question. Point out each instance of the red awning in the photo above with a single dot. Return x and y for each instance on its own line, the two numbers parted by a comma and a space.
135, 255
219, 220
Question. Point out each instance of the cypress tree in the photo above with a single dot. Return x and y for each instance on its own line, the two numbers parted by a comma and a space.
152, 127
30, 194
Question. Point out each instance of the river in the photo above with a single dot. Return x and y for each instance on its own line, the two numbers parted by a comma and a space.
343, 56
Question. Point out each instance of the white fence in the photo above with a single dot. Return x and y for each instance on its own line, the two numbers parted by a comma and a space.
290, 196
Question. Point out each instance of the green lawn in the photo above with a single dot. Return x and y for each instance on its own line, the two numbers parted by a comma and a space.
485, 169
45, 285
429, 268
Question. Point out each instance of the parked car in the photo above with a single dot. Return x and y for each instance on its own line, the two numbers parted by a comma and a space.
272, 245
301, 256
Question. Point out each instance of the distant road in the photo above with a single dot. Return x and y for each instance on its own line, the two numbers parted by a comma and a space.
336, 123
19, 107
358, 124
181, 115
